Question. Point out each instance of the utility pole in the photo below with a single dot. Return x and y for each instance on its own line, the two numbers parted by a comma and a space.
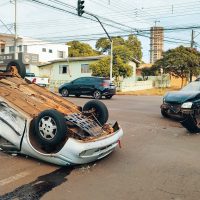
192, 46
192, 39
111, 59
15, 39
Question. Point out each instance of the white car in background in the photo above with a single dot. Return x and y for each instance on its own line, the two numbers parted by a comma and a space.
41, 81
40, 124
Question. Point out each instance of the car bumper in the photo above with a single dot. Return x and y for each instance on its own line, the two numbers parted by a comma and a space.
174, 109
76, 151
109, 92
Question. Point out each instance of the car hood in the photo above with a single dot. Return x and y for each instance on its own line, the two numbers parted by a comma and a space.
180, 96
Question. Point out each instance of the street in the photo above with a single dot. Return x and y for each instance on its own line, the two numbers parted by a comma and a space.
158, 160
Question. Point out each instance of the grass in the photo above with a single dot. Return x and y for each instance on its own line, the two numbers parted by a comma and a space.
149, 92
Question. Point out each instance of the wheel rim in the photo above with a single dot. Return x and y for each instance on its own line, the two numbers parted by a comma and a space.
65, 92
97, 94
47, 128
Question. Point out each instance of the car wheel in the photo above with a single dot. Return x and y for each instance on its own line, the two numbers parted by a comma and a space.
97, 94
20, 67
65, 92
50, 127
109, 96
100, 110
77, 95
164, 113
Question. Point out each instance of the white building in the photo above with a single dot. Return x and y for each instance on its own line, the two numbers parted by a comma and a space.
31, 52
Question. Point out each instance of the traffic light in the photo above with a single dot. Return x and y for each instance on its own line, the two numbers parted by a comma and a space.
80, 7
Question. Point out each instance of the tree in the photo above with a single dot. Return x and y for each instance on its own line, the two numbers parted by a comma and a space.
103, 44
180, 62
146, 72
102, 68
123, 52
77, 49
132, 44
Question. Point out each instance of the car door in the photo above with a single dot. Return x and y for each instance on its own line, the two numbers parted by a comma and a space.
87, 86
75, 86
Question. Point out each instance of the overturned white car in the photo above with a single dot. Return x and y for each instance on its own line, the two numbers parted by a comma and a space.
40, 124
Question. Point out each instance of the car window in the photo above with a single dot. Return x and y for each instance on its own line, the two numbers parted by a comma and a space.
80, 81
193, 86
30, 75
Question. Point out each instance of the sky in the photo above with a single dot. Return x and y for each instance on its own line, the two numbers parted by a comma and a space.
122, 17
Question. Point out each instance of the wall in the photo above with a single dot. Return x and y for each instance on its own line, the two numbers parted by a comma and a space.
46, 56
134, 86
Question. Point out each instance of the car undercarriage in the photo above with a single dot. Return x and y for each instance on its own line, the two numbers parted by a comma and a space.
39, 123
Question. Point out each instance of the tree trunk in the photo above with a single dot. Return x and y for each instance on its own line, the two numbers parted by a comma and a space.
182, 82
190, 76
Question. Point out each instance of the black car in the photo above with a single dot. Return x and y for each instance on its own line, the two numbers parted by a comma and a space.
174, 102
92, 86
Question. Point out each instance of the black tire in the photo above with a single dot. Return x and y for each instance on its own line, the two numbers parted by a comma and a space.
191, 124
97, 94
50, 128
65, 92
164, 113
20, 67
101, 111
109, 96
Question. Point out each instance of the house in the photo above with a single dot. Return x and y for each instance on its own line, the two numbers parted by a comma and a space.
144, 65
30, 51
65, 70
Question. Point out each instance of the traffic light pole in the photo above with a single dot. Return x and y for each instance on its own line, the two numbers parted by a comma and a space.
80, 7
111, 44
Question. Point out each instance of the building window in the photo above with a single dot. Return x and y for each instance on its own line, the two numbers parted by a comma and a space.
60, 54
85, 68
25, 48
11, 49
2, 48
44, 50
50, 51
20, 48
63, 69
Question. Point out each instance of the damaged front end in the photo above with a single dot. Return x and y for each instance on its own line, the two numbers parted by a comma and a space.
191, 116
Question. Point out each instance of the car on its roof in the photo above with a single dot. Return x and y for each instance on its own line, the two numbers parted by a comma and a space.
43, 125
175, 100
90, 86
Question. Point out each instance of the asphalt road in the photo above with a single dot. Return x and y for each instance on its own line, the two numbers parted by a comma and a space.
158, 160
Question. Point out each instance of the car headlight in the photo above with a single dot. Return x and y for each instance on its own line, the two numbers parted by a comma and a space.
163, 100
186, 105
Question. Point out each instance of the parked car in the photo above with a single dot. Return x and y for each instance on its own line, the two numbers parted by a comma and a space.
92, 86
43, 125
41, 81
174, 101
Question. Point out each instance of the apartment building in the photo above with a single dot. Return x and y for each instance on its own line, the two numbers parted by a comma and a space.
156, 43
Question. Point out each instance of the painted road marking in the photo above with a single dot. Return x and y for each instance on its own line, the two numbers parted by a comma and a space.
13, 178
